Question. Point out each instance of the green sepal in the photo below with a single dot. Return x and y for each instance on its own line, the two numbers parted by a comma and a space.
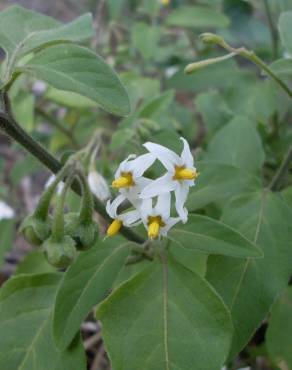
35, 230
60, 253
85, 234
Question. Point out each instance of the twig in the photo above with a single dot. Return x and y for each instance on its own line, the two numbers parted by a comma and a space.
9, 126
280, 174
98, 359
91, 341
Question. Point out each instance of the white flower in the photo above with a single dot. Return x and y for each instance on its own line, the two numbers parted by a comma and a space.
130, 218
98, 185
128, 177
157, 219
6, 212
180, 176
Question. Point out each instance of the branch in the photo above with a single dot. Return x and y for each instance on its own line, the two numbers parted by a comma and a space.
11, 128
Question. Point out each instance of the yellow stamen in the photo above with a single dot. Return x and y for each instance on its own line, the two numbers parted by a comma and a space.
182, 173
154, 225
114, 227
165, 2
124, 181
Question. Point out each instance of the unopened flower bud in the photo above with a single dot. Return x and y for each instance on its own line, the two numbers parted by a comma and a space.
98, 185
60, 253
35, 229
85, 234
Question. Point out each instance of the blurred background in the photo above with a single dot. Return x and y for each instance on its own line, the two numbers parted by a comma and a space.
148, 42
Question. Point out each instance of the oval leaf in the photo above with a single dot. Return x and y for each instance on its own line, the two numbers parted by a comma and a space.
85, 284
210, 236
77, 69
165, 318
26, 303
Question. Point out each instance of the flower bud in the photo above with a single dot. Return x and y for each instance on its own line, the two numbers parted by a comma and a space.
60, 253
212, 38
84, 234
98, 185
35, 230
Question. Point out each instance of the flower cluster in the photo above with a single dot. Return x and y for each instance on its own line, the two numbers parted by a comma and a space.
141, 192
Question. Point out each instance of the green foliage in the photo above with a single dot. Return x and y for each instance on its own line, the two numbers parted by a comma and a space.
85, 284
26, 304
174, 315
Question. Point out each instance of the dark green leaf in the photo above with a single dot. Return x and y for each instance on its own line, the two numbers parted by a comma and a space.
197, 17
167, 317
74, 68
249, 287
26, 343
7, 231
207, 235
85, 284
279, 340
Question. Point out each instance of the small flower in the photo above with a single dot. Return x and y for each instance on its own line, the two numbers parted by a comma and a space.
98, 185
180, 176
6, 212
157, 219
128, 177
130, 218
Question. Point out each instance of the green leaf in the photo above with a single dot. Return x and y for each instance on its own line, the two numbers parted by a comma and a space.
282, 67
26, 303
278, 336
286, 30
145, 39
34, 263
167, 317
219, 182
207, 235
85, 284
197, 17
249, 287
238, 144
29, 31
74, 68
69, 99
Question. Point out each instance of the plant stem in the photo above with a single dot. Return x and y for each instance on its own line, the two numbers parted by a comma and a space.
280, 174
273, 30
9, 126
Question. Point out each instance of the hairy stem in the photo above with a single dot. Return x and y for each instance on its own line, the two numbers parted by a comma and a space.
11, 128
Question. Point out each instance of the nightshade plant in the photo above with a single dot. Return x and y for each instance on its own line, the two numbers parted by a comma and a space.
185, 274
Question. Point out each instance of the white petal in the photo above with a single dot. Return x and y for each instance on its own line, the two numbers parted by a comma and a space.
124, 165
169, 224
162, 207
130, 218
162, 185
186, 154
167, 157
111, 207
181, 193
139, 165
146, 209
98, 185
142, 182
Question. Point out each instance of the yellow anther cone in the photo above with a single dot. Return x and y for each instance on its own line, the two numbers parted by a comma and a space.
185, 174
153, 229
114, 227
124, 181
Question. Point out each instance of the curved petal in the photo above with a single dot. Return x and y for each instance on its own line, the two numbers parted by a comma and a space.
162, 207
167, 157
162, 185
169, 224
141, 183
186, 154
124, 165
139, 165
111, 207
146, 209
130, 218
181, 193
